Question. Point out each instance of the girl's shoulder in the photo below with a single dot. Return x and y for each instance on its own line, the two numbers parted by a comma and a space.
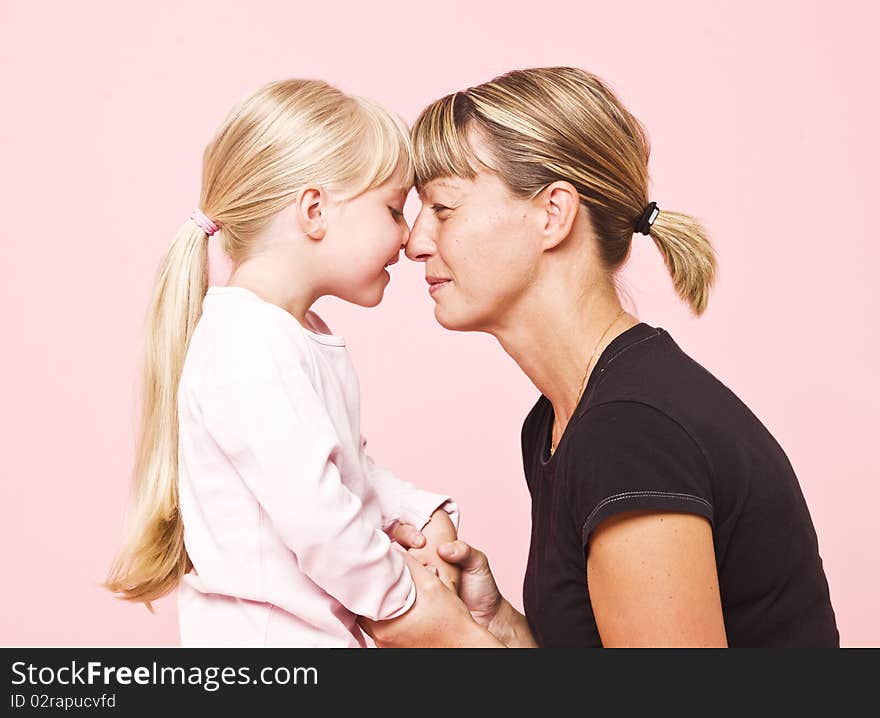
237, 336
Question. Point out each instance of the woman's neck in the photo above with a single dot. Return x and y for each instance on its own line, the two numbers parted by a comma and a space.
552, 340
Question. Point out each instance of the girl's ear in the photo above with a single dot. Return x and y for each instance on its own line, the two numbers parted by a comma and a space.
311, 212
559, 203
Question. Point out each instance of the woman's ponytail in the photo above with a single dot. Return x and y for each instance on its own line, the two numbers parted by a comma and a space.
153, 558
688, 254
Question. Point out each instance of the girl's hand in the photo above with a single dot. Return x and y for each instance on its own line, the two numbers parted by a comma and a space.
408, 536
438, 530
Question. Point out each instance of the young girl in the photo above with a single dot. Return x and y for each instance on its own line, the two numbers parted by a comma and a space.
252, 490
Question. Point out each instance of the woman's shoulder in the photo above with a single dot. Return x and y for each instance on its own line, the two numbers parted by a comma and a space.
650, 369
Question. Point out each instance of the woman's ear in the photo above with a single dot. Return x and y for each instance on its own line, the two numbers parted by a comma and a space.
311, 212
560, 204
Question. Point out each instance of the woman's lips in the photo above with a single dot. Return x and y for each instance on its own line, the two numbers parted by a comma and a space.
436, 283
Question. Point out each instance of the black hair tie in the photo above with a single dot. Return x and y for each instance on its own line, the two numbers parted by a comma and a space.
643, 225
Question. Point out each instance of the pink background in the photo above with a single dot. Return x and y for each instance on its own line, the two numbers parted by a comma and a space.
763, 123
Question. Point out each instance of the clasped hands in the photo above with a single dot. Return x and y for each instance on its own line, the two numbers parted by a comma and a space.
457, 598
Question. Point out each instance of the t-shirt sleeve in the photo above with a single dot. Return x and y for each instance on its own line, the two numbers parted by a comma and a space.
401, 501
625, 456
264, 414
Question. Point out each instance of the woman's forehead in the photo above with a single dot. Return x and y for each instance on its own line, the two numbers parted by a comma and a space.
453, 184
485, 183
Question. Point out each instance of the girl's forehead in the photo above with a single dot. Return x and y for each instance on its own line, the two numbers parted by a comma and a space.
396, 184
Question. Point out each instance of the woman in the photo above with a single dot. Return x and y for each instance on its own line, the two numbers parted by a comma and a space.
663, 512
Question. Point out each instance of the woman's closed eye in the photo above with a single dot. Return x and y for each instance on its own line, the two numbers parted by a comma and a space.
440, 211
396, 213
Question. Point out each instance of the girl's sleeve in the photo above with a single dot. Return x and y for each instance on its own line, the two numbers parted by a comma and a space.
272, 426
402, 501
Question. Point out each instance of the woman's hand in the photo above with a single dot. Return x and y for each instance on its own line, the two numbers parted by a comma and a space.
484, 601
437, 619
477, 589
477, 586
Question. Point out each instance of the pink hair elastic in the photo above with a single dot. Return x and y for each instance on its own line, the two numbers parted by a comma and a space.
205, 222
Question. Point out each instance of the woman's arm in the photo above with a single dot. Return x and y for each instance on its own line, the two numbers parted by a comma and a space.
653, 581
511, 627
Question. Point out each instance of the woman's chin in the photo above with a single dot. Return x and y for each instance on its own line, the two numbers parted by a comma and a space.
448, 320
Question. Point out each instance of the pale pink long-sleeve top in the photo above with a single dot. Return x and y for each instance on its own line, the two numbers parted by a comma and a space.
285, 515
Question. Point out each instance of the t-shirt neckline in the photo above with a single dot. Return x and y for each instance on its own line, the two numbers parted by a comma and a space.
329, 339
634, 334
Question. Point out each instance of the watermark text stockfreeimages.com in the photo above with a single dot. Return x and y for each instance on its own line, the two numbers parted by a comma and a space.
211, 678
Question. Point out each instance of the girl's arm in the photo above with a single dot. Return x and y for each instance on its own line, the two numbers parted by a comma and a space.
439, 530
261, 409
402, 501
436, 515
653, 581
398, 500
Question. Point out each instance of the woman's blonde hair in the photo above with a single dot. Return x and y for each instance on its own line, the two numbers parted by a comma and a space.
283, 137
561, 123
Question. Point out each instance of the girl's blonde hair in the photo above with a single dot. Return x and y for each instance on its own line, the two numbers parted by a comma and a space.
562, 123
283, 137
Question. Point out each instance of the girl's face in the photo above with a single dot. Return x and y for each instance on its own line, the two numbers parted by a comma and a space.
480, 248
364, 236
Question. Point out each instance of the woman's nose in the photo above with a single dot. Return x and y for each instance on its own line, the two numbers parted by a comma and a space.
419, 246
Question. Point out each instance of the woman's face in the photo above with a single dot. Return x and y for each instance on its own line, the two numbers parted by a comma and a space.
480, 246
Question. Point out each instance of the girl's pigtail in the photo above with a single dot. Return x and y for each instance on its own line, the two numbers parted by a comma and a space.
153, 558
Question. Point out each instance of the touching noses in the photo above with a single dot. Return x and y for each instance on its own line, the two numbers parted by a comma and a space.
419, 246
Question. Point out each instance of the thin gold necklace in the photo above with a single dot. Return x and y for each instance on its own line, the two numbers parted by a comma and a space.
586, 374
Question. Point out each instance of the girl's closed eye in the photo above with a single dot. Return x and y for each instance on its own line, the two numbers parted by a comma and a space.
396, 213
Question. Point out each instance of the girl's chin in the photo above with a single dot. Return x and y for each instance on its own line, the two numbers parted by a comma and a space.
372, 295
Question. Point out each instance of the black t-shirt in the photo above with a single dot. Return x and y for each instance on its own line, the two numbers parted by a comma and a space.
654, 430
